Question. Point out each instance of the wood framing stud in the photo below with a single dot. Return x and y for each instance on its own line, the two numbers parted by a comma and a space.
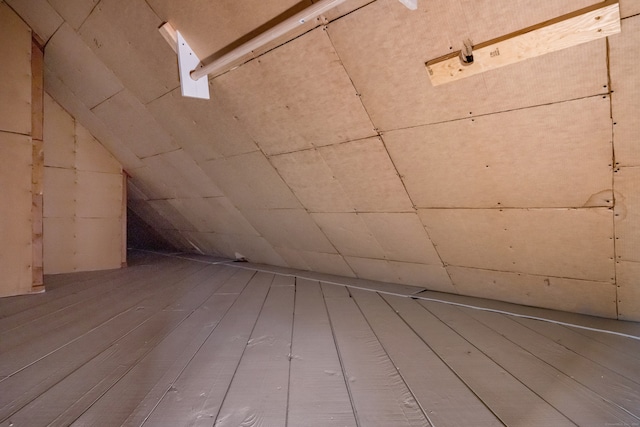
581, 26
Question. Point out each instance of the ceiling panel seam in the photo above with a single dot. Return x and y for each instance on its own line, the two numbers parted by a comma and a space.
522, 273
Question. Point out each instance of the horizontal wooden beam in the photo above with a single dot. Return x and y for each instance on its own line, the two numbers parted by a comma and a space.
581, 26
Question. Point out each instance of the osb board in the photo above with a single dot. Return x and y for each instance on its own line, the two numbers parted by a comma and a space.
15, 211
289, 228
59, 241
91, 155
628, 279
60, 191
205, 130
214, 214
232, 20
254, 248
327, 263
571, 243
39, 15
578, 296
124, 35
368, 176
63, 95
312, 181
629, 8
627, 213
290, 99
626, 97
250, 182
402, 237
134, 125
384, 53
98, 195
180, 175
171, 214
98, 243
512, 159
59, 136
349, 234
74, 12
79, 68
15, 68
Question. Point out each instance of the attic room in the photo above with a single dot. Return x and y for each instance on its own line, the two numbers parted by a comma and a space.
319, 213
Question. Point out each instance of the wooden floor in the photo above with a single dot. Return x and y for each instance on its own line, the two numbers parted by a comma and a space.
172, 342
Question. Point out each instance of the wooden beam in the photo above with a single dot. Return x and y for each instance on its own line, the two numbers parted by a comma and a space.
170, 35
581, 26
37, 169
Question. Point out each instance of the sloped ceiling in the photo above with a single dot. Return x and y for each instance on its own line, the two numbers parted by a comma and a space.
331, 151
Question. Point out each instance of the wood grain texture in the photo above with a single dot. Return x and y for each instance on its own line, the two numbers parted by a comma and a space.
566, 31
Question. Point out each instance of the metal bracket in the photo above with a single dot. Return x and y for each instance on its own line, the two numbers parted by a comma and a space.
188, 61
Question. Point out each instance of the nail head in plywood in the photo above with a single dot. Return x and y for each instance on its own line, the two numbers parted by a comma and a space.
625, 102
511, 159
312, 181
628, 275
78, 67
573, 243
15, 211
579, 27
627, 213
578, 296
367, 175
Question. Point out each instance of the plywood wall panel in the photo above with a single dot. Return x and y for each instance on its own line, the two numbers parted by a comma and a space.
39, 15
98, 243
432, 277
293, 258
626, 96
573, 243
174, 216
367, 175
254, 248
629, 8
149, 214
91, 155
99, 195
15, 68
124, 35
214, 214
202, 127
312, 181
349, 234
131, 122
134, 193
374, 269
400, 95
512, 159
192, 19
79, 68
181, 176
290, 100
402, 237
327, 263
289, 228
59, 134
65, 97
628, 278
59, 239
74, 12
251, 182
15, 211
60, 192
627, 213
581, 296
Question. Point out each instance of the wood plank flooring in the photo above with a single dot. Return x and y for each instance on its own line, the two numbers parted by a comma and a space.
182, 342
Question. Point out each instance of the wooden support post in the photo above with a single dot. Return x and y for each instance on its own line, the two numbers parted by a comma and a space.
123, 219
584, 25
37, 170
